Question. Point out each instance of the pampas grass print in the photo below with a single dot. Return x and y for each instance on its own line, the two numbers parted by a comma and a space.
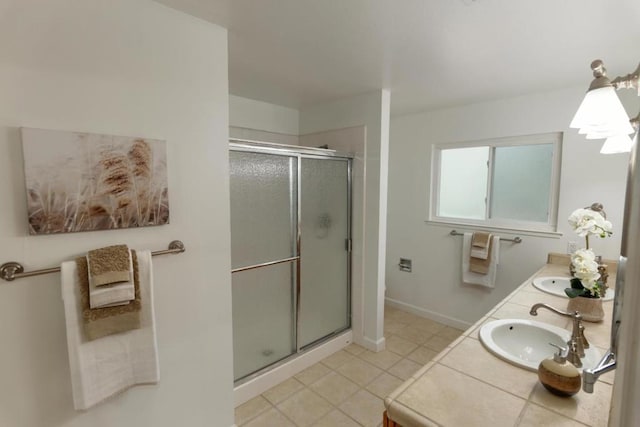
106, 183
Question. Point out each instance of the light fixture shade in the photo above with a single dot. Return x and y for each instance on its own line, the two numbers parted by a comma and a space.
601, 115
617, 144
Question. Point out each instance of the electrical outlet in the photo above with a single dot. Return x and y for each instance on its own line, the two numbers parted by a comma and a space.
571, 247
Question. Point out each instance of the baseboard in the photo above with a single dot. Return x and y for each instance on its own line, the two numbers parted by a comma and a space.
374, 346
278, 374
449, 321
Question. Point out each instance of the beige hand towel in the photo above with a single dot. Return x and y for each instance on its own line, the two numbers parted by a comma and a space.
100, 322
472, 278
480, 245
480, 265
111, 294
103, 368
109, 265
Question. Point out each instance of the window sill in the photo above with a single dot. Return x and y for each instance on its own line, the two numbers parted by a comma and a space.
465, 226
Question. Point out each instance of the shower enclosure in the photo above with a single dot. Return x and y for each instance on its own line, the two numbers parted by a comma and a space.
290, 251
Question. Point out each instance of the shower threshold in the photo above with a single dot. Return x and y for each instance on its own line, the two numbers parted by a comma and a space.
253, 385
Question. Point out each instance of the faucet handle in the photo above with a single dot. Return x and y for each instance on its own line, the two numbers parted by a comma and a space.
573, 356
585, 343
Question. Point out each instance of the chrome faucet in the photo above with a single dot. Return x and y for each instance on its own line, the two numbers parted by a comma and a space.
577, 343
608, 362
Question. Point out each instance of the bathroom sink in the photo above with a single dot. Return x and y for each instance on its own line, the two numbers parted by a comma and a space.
556, 286
525, 343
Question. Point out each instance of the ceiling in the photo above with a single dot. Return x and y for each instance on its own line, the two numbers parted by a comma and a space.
429, 53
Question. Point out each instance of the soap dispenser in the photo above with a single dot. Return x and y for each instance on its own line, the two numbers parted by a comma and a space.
558, 376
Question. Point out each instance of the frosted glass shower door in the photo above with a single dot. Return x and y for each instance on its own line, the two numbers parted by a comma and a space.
324, 258
264, 196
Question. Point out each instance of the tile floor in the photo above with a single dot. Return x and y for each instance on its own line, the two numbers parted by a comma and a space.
347, 388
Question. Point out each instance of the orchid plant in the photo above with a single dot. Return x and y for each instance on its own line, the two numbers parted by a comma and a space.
585, 282
587, 222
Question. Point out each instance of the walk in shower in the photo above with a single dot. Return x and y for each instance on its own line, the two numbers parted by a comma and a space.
290, 251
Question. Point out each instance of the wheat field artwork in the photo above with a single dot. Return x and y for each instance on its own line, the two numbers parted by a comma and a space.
84, 182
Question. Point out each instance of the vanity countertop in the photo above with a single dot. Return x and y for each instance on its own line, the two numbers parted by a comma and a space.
465, 385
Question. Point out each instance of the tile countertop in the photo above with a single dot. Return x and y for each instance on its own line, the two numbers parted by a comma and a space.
465, 385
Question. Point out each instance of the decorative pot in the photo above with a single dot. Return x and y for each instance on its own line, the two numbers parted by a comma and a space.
590, 308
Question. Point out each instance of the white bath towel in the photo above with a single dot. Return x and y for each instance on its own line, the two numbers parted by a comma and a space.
472, 278
110, 365
111, 294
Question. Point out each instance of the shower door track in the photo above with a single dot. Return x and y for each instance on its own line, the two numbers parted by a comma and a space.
299, 152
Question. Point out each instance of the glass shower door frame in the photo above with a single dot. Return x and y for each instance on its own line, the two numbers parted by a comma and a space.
299, 153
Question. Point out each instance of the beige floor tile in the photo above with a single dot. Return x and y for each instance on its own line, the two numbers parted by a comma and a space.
422, 355
337, 359
354, 349
591, 409
450, 333
404, 369
382, 359
384, 385
283, 390
437, 343
251, 409
305, 407
413, 334
365, 408
271, 418
336, 418
535, 416
428, 325
312, 374
335, 388
399, 345
490, 369
402, 316
359, 371
393, 326
451, 399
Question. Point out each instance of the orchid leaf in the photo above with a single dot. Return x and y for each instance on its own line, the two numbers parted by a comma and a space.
572, 293
576, 283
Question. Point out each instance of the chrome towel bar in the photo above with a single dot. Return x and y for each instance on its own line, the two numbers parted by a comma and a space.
12, 270
514, 240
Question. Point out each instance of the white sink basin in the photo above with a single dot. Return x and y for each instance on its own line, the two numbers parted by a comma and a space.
525, 343
557, 285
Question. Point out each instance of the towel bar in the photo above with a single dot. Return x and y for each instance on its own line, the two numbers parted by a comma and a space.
12, 270
514, 240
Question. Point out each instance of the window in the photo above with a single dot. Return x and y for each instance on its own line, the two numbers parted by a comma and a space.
502, 183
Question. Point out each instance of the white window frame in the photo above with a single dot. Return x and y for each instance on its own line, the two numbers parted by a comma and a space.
548, 227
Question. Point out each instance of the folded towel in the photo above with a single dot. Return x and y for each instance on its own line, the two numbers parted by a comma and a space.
105, 367
472, 278
112, 294
480, 245
100, 322
109, 265
480, 265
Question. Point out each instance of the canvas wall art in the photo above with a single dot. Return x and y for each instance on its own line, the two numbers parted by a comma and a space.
84, 182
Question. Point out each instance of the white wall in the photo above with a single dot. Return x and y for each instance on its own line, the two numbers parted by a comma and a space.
126, 68
434, 288
372, 111
262, 121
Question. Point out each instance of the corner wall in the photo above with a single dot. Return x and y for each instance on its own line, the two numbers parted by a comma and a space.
262, 121
434, 288
370, 110
132, 68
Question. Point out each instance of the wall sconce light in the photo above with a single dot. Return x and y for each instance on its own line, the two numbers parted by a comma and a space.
601, 114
